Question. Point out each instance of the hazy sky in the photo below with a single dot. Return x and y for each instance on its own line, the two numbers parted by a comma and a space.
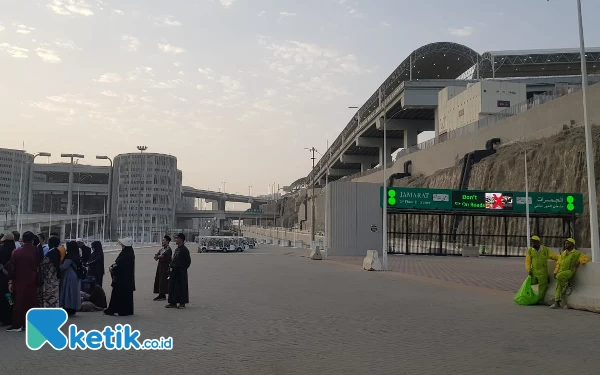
236, 89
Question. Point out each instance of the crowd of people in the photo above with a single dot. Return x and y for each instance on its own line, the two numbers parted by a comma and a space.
36, 271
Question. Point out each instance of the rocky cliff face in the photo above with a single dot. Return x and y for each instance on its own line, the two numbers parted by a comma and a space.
555, 164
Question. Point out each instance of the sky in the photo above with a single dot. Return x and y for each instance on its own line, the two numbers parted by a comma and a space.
235, 89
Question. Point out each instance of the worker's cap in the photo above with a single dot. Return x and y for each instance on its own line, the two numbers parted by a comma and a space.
570, 240
535, 238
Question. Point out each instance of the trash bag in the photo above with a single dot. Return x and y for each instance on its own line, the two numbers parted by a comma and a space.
526, 296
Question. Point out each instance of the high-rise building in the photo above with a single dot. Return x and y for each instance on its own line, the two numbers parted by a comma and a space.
14, 180
146, 187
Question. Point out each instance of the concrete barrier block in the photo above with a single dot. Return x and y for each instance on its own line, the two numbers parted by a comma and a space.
470, 251
298, 244
585, 294
371, 261
284, 243
315, 254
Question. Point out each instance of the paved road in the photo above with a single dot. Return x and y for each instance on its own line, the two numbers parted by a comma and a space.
255, 313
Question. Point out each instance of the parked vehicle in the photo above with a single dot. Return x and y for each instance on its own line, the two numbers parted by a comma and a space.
222, 243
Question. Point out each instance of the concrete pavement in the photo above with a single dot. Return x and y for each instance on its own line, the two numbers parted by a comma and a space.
272, 311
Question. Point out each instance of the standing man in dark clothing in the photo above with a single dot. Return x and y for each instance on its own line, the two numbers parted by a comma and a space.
161, 280
178, 276
22, 272
86, 252
96, 264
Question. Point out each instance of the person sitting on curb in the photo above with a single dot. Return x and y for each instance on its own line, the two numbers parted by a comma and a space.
566, 266
536, 263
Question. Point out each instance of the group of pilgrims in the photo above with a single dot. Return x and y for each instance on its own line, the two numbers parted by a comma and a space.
36, 271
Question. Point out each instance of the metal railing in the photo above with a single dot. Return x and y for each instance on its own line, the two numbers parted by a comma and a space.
477, 125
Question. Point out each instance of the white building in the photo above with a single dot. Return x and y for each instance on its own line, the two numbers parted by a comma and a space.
460, 106
14, 180
146, 188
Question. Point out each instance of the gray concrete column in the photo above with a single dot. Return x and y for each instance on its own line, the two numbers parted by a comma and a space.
410, 138
387, 154
63, 229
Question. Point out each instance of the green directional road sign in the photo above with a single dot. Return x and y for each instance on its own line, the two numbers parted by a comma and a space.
255, 211
477, 200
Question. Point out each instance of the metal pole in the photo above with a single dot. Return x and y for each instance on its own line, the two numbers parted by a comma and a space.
326, 239
384, 224
589, 148
78, 190
526, 198
70, 196
312, 219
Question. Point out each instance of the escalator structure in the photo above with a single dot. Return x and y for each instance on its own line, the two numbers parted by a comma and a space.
468, 161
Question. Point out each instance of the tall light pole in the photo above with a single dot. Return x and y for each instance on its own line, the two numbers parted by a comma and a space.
384, 184
312, 214
110, 182
526, 192
589, 147
249, 190
140, 196
30, 192
70, 196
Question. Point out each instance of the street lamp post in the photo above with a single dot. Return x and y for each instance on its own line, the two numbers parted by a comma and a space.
526, 192
589, 147
70, 196
312, 214
110, 183
30, 192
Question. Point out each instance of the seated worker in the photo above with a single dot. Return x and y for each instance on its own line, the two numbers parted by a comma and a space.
536, 263
566, 266
95, 301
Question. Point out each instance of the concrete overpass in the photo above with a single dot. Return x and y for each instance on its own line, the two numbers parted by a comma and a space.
407, 99
220, 198
209, 214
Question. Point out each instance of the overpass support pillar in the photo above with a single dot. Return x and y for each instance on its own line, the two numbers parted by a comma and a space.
387, 154
365, 167
63, 230
410, 138
255, 206
221, 205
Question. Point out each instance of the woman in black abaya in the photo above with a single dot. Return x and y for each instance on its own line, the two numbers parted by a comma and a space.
123, 281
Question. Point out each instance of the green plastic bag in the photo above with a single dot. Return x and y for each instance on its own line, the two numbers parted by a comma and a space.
526, 296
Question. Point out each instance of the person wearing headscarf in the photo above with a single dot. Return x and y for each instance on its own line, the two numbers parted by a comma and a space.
123, 281
161, 280
61, 249
566, 267
22, 274
96, 264
70, 286
536, 264
6, 309
93, 301
48, 293
178, 275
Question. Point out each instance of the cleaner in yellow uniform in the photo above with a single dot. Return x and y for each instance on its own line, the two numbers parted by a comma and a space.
536, 263
567, 265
